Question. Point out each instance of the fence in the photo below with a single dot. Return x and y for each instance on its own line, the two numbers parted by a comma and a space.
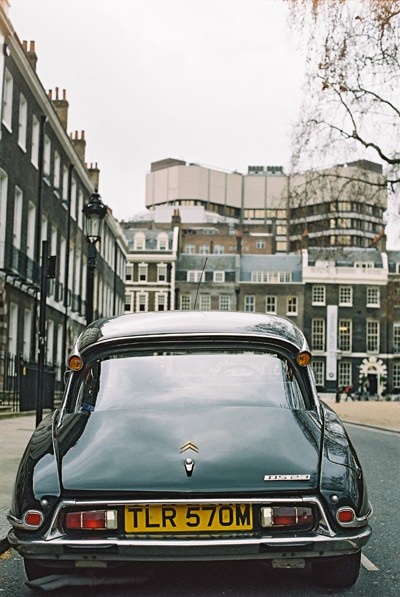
18, 384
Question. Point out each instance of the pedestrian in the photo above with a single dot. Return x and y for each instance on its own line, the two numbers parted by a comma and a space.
348, 393
337, 397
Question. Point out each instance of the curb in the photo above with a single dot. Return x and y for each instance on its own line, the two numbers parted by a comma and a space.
367, 426
4, 545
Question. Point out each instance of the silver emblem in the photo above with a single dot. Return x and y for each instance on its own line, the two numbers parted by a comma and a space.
189, 466
287, 477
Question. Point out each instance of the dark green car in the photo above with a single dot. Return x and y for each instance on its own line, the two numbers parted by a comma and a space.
190, 436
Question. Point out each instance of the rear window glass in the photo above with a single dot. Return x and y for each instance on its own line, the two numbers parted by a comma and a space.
188, 379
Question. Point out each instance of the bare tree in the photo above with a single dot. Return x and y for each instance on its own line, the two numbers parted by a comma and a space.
351, 103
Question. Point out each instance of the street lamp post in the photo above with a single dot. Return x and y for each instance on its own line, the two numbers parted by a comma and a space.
95, 212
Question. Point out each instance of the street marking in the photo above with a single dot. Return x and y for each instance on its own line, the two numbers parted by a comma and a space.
368, 564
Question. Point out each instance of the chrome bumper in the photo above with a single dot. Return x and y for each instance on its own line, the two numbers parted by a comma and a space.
114, 549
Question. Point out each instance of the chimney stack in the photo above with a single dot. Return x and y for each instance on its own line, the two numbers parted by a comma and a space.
176, 218
94, 174
80, 144
61, 106
30, 52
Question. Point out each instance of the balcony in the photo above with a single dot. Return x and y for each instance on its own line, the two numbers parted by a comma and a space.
19, 266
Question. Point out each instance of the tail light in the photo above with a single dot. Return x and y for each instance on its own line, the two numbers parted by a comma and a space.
91, 520
284, 516
345, 516
32, 519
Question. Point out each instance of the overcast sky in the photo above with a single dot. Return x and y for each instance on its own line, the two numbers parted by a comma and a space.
215, 82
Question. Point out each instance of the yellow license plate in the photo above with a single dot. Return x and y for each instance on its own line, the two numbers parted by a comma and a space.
178, 518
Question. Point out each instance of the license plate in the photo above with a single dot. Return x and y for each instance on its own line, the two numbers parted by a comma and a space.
178, 518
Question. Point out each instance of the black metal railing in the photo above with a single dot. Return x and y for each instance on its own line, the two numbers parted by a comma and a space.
18, 384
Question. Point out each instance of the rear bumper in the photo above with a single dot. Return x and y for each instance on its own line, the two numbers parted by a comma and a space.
113, 549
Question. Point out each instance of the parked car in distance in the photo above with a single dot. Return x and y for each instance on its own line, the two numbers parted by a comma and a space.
190, 436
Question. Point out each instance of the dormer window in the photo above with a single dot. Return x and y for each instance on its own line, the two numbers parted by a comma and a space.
139, 241
162, 242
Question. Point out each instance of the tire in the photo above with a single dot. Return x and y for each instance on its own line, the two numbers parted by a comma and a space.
338, 572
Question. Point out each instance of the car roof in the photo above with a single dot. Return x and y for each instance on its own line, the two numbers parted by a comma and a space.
190, 323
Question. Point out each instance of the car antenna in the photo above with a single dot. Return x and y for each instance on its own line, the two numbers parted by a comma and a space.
198, 285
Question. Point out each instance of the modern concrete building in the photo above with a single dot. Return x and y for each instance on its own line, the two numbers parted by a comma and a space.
338, 206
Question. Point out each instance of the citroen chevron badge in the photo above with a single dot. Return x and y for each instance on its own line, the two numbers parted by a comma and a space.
189, 446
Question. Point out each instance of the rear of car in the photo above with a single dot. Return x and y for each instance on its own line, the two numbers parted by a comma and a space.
191, 437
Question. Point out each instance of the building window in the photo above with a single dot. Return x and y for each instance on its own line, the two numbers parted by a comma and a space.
319, 372
271, 277
8, 84
372, 336
17, 218
185, 302
345, 296
161, 301
128, 302
219, 249
249, 303
189, 249
318, 295
344, 374
57, 170
364, 265
270, 304
162, 241
224, 302
318, 334
80, 209
195, 275
73, 199
143, 269
260, 244
35, 141
129, 272
30, 238
204, 250
64, 194
396, 337
373, 297
139, 242
291, 308
161, 273
205, 302
47, 157
22, 122
345, 335
219, 277
142, 301
396, 376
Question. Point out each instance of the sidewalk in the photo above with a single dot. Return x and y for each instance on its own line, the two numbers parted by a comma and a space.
16, 432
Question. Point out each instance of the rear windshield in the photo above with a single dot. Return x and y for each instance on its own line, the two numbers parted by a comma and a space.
127, 381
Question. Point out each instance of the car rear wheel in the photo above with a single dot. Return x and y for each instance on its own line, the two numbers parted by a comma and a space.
339, 572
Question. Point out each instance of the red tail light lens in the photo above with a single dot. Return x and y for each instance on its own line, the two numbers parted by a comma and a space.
284, 516
94, 520
345, 515
33, 519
